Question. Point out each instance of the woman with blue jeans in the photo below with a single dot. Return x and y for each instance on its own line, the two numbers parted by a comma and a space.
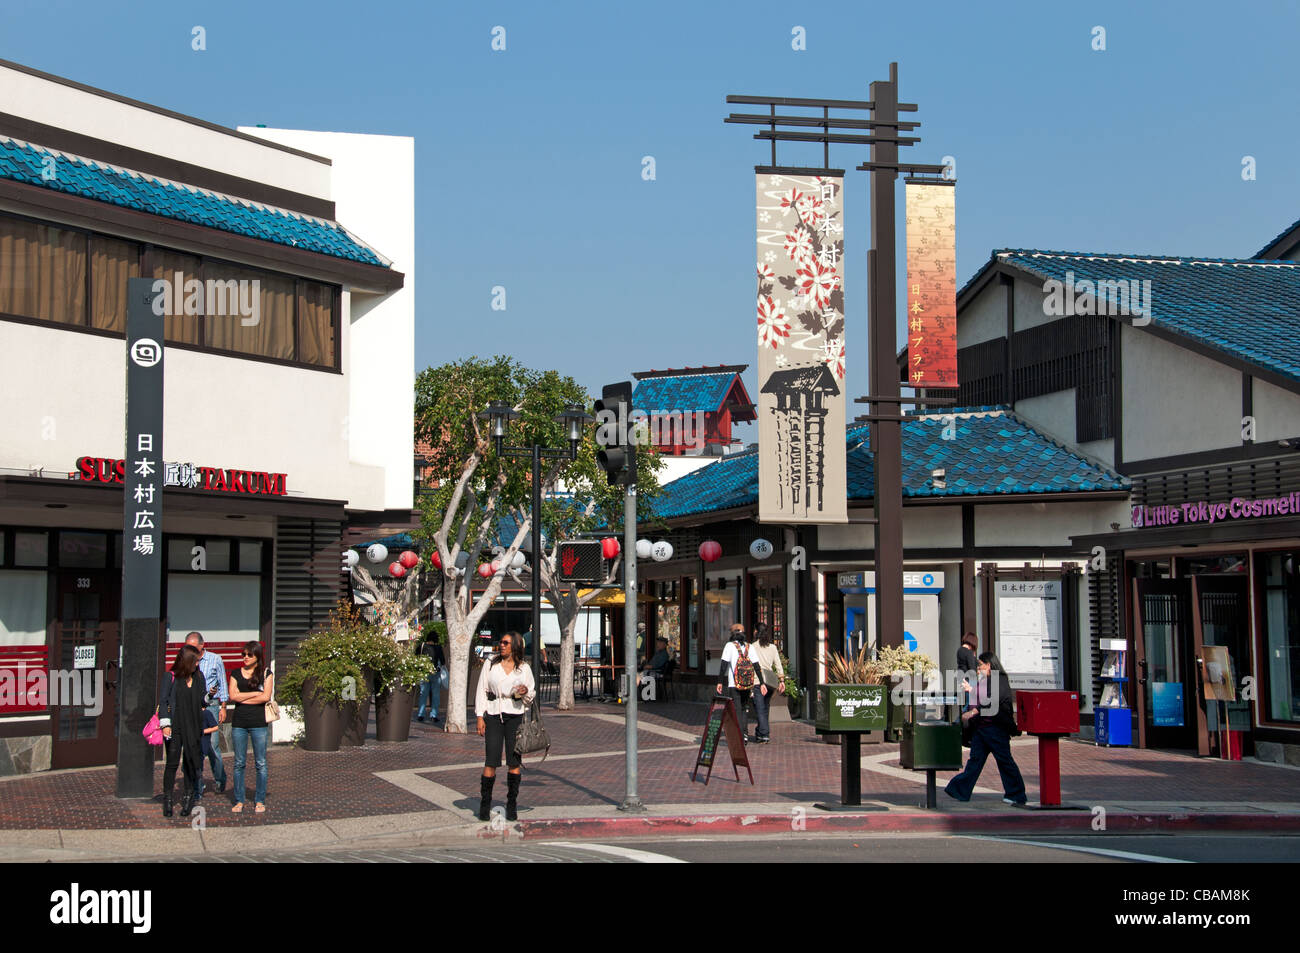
251, 687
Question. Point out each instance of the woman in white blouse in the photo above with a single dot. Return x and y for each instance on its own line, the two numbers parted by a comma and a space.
505, 690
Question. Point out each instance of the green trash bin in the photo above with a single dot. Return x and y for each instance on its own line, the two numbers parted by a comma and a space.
931, 737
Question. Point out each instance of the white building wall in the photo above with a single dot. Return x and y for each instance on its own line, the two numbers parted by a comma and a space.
1029, 297
83, 112
373, 188
1053, 414
1174, 400
1045, 524
1276, 411
984, 318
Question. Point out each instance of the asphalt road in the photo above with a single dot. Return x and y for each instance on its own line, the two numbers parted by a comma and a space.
881, 849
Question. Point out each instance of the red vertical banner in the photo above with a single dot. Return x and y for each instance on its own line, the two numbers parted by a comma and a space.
931, 286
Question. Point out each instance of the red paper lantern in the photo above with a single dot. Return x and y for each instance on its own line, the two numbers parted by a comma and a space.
484, 570
609, 547
710, 550
396, 570
435, 560
408, 559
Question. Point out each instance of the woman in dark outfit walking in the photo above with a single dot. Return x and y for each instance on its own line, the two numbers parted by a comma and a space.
180, 715
992, 735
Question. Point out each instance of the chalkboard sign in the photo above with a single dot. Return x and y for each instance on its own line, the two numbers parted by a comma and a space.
722, 715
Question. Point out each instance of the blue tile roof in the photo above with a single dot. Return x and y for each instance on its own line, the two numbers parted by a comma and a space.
686, 392
1248, 309
993, 453
23, 162
1268, 249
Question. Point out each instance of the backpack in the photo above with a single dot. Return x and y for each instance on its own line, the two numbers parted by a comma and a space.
745, 676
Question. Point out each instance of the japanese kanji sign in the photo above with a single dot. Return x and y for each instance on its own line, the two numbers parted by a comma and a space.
142, 554
801, 417
931, 286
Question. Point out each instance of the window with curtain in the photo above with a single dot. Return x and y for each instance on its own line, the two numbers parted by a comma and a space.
112, 262
42, 272
22, 608
179, 328
316, 323
273, 333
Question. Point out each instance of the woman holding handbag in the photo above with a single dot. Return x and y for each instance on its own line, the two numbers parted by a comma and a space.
180, 710
767, 657
252, 688
505, 690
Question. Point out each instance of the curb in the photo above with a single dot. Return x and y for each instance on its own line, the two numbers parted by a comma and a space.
1029, 822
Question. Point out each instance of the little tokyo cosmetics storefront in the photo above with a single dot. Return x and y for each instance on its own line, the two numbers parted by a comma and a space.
1211, 610
243, 559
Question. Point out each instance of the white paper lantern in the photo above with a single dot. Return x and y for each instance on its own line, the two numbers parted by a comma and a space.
643, 547
760, 549
462, 560
352, 557
517, 561
377, 552
662, 551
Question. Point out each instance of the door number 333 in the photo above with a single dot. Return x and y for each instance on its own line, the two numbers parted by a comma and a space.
83, 582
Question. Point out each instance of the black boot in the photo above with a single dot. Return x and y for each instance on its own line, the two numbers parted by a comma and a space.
187, 804
512, 795
167, 804
485, 798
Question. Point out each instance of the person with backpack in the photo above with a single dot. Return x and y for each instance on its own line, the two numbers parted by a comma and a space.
505, 690
993, 726
738, 676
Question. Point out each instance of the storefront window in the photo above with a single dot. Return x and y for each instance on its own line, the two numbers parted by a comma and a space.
112, 262
269, 333
180, 554
31, 549
22, 608
669, 617
1282, 607
42, 272
250, 555
721, 610
224, 608
83, 550
175, 267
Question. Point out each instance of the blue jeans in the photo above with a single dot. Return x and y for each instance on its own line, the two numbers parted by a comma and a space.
430, 694
761, 703
260, 736
988, 739
212, 750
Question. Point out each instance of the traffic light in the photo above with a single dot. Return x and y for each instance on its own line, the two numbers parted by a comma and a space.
617, 454
581, 561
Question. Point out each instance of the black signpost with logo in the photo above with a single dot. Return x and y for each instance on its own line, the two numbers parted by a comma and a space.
142, 564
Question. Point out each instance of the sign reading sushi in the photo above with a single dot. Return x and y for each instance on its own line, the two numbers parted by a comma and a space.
801, 412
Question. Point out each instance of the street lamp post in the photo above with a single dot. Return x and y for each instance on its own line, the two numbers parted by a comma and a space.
498, 415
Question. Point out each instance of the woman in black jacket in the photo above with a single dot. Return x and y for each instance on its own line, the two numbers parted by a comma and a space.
991, 734
180, 715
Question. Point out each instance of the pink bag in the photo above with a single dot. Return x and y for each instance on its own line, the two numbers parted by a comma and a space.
153, 732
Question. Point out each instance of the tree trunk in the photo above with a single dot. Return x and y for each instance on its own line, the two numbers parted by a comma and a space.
460, 633
566, 661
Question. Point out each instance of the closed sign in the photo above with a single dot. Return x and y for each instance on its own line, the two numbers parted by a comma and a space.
83, 656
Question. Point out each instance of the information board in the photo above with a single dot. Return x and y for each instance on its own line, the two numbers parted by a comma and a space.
1029, 632
721, 717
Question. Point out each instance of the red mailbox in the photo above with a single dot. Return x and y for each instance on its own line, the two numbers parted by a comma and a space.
1047, 713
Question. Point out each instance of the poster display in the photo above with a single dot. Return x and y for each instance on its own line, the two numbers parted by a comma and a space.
1029, 632
801, 405
931, 285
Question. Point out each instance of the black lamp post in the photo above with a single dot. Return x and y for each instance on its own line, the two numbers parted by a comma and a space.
498, 415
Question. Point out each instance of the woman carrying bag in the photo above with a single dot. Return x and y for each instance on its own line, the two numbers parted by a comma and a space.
251, 689
505, 691
767, 657
992, 726
180, 715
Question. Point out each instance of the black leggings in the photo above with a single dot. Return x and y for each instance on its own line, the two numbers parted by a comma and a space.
501, 729
190, 760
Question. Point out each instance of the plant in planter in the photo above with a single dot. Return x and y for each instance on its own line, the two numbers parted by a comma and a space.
320, 682
374, 653
794, 695
904, 670
395, 688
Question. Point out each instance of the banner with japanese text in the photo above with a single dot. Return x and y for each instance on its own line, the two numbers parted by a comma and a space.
801, 413
931, 286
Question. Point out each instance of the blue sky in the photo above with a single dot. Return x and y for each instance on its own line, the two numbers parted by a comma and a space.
528, 171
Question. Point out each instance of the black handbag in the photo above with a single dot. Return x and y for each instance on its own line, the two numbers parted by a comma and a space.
532, 735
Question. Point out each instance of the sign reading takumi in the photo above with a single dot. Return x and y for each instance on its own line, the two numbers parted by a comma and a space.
189, 476
931, 286
801, 415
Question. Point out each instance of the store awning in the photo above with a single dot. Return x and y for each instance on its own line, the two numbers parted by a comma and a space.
607, 598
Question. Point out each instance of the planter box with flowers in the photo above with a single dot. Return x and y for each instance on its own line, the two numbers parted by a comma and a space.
396, 684
853, 697
321, 681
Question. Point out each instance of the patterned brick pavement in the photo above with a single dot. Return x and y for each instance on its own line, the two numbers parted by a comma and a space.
586, 770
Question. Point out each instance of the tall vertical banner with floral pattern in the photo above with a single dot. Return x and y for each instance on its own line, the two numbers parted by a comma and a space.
801, 417
931, 286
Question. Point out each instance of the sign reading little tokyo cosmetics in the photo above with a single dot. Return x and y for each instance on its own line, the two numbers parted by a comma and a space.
189, 476
1205, 512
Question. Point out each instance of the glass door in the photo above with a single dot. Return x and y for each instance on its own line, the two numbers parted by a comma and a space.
84, 669
1225, 621
1165, 663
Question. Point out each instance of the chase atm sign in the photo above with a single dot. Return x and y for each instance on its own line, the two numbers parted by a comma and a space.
912, 582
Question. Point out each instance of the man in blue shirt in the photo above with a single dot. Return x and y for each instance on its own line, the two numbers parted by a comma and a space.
214, 676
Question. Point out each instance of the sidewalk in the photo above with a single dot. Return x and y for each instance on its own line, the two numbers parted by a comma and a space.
425, 791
